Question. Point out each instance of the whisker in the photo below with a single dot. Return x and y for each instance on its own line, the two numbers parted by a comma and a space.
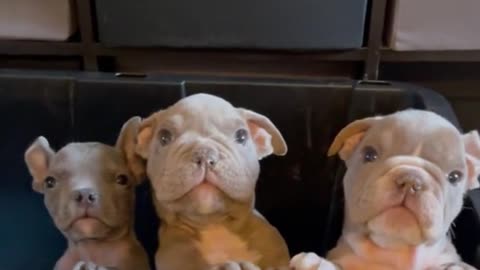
451, 232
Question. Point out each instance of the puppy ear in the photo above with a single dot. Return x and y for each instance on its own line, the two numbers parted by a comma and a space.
264, 134
350, 136
471, 141
145, 135
126, 143
38, 157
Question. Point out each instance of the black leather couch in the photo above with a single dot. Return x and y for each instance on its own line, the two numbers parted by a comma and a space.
299, 193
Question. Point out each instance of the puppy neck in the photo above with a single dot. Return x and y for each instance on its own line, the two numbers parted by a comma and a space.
381, 238
398, 255
236, 215
113, 236
94, 249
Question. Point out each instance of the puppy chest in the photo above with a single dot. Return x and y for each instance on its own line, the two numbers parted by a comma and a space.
217, 244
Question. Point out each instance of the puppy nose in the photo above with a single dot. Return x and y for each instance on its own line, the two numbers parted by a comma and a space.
85, 197
410, 182
211, 161
205, 156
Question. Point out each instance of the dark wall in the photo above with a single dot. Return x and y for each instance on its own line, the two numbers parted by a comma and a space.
458, 82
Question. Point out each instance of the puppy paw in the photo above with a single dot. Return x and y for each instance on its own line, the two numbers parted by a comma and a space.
236, 266
83, 266
456, 266
89, 266
310, 261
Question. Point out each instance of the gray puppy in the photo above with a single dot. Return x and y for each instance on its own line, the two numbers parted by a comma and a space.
89, 192
202, 159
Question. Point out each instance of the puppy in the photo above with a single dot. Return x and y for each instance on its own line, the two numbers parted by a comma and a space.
406, 177
89, 192
202, 160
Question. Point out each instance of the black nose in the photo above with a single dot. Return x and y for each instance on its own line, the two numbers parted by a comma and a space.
85, 196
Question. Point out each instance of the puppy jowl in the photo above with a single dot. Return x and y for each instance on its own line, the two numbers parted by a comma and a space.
406, 177
202, 158
89, 192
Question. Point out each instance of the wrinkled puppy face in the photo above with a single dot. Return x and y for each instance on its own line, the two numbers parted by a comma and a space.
406, 177
88, 188
202, 152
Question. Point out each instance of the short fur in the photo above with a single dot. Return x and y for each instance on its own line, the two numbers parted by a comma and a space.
88, 202
399, 207
204, 185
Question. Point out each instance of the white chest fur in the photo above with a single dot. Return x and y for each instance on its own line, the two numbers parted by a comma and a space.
365, 254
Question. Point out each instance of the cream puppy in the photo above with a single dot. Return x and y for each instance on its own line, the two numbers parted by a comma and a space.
407, 174
202, 160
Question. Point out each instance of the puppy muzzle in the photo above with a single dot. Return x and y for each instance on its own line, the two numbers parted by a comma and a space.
410, 180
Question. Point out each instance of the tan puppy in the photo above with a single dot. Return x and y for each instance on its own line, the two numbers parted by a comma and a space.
202, 159
406, 177
90, 192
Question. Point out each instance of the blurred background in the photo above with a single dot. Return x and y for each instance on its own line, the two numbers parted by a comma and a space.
435, 43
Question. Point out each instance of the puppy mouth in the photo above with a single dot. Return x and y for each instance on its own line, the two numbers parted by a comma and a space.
206, 181
399, 212
400, 204
400, 208
396, 225
85, 218
88, 226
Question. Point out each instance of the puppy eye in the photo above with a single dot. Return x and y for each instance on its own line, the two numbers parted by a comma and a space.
122, 180
165, 137
241, 136
369, 154
455, 177
50, 182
